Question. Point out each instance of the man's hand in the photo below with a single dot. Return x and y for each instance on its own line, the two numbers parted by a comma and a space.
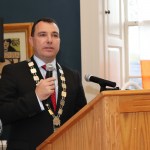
45, 88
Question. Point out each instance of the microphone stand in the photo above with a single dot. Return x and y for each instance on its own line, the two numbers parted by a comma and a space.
104, 88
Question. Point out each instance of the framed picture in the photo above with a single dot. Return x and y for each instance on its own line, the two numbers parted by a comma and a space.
16, 44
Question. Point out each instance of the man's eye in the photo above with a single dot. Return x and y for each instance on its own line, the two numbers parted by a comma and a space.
42, 34
55, 35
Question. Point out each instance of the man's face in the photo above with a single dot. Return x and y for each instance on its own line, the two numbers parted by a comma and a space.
46, 41
6, 45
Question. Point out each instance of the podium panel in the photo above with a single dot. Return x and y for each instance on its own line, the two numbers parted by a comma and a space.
113, 120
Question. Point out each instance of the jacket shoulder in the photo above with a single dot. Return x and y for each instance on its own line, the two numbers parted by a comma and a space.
16, 66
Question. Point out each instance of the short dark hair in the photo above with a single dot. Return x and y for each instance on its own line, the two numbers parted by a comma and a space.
48, 20
8, 40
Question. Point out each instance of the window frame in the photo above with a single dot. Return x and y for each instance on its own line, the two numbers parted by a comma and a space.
127, 25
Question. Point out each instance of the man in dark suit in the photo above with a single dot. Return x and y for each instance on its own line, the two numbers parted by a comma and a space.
25, 93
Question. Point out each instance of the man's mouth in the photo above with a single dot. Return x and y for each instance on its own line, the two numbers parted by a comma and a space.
48, 48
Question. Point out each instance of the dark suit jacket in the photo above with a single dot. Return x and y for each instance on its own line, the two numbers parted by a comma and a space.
19, 105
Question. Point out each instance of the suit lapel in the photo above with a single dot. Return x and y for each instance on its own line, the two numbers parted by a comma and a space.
59, 88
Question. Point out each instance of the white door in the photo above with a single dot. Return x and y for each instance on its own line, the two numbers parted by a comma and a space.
114, 41
101, 42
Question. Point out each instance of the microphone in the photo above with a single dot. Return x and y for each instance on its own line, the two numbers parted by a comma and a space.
102, 82
49, 70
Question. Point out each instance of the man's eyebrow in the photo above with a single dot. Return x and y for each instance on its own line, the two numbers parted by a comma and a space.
55, 32
41, 32
46, 32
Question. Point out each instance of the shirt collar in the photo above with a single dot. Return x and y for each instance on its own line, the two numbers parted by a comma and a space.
41, 63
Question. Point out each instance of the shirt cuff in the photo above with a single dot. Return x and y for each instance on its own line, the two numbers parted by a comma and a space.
40, 103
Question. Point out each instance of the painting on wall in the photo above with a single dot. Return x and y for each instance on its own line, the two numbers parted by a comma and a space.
15, 43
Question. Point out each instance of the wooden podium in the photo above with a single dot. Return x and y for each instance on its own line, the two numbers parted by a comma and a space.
114, 120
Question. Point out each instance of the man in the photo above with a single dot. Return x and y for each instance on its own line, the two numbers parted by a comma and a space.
25, 92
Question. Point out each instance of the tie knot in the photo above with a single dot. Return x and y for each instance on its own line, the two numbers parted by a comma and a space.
44, 67
48, 67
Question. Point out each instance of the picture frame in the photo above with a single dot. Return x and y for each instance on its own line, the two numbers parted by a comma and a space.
16, 28
21, 32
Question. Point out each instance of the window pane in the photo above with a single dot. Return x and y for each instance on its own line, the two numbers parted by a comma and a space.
132, 10
137, 81
134, 52
138, 36
138, 10
144, 40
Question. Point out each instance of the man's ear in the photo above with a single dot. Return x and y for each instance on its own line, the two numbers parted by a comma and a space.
31, 41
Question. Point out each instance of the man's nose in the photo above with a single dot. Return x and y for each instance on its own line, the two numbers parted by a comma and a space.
49, 38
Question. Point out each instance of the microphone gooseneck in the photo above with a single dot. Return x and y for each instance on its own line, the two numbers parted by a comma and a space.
102, 82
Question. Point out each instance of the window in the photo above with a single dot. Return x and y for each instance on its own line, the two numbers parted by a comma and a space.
138, 29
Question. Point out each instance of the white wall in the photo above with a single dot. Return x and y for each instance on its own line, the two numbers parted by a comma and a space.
92, 52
